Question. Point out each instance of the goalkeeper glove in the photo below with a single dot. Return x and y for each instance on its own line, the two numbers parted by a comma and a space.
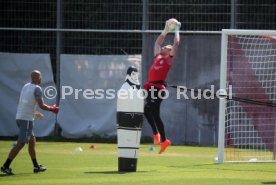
166, 29
38, 115
178, 25
54, 109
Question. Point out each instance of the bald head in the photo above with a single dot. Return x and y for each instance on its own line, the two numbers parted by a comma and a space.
36, 77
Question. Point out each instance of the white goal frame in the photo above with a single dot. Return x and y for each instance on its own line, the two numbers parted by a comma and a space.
223, 80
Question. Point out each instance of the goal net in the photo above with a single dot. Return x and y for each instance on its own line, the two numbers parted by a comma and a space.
247, 117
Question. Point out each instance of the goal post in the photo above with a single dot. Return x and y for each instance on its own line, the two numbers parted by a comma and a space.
248, 71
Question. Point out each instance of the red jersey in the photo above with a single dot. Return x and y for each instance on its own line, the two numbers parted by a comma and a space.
159, 71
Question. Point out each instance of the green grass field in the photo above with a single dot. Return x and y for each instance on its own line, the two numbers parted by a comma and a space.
178, 165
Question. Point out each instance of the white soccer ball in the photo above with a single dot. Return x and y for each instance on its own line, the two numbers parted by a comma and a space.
172, 24
215, 159
78, 149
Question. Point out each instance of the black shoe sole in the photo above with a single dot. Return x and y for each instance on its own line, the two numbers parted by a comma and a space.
6, 172
38, 171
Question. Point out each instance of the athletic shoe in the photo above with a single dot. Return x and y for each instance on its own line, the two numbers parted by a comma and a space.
164, 145
156, 139
6, 170
40, 168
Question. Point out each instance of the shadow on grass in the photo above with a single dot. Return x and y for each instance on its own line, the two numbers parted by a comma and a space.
114, 172
216, 166
103, 172
17, 174
195, 165
268, 182
4, 175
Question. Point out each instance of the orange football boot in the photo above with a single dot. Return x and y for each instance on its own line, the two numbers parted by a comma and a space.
156, 138
164, 145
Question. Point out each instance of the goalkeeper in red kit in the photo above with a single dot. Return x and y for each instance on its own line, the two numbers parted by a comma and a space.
156, 85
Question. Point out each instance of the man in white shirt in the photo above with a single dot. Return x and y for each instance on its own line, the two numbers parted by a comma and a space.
30, 96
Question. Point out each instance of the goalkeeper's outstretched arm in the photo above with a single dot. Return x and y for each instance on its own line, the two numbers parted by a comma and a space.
159, 41
176, 39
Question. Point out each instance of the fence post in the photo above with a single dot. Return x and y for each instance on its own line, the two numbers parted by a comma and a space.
58, 51
233, 14
145, 26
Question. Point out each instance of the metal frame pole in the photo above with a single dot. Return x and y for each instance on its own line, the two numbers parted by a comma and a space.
233, 14
145, 26
58, 51
58, 47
